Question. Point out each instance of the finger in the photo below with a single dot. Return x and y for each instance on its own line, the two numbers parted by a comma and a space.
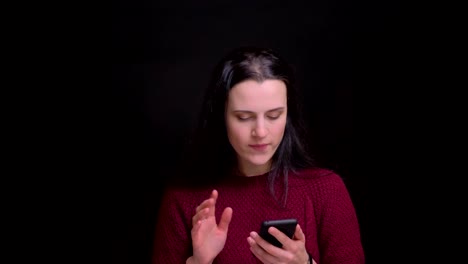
259, 252
197, 221
282, 238
196, 224
214, 196
271, 249
225, 219
206, 203
299, 235
201, 215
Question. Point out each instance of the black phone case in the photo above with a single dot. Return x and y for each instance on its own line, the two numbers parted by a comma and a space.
287, 226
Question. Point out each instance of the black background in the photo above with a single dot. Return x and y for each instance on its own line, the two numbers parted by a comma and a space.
163, 53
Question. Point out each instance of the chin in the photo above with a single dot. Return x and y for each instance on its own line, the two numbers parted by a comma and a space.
259, 161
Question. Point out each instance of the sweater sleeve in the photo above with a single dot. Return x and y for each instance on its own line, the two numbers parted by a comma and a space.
172, 242
339, 235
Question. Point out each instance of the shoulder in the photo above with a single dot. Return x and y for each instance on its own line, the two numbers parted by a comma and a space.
323, 186
184, 195
317, 178
315, 174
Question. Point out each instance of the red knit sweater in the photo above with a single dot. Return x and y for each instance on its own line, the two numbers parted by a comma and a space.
317, 198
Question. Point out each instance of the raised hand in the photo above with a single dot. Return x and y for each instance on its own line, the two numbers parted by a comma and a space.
208, 237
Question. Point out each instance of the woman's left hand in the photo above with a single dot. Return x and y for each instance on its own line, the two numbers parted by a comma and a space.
293, 250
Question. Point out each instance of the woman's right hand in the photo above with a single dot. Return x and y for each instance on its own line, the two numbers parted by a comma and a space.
208, 238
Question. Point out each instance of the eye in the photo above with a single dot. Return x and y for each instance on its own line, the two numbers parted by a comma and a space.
243, 118
274, 115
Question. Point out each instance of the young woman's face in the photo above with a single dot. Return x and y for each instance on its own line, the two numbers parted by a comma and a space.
255, 120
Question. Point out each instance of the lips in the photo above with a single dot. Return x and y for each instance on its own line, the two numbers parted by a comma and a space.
259, 147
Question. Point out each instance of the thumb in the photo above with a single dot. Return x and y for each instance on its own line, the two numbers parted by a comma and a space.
225, 219
298, 234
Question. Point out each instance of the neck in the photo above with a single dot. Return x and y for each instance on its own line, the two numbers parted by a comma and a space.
249, 171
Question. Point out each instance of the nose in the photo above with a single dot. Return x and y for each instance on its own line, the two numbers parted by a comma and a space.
259, 130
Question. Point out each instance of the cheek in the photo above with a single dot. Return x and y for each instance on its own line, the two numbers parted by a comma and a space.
237, 133
277, 130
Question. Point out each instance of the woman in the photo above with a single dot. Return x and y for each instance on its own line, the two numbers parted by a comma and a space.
248, 165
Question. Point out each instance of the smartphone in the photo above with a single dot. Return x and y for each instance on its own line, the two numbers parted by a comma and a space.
287, 226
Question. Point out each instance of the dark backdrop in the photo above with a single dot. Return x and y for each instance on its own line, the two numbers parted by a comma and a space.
163, 53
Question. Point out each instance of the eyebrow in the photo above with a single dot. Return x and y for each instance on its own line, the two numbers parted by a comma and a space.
251, 112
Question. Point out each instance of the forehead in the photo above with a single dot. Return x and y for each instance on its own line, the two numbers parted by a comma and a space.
251, 95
